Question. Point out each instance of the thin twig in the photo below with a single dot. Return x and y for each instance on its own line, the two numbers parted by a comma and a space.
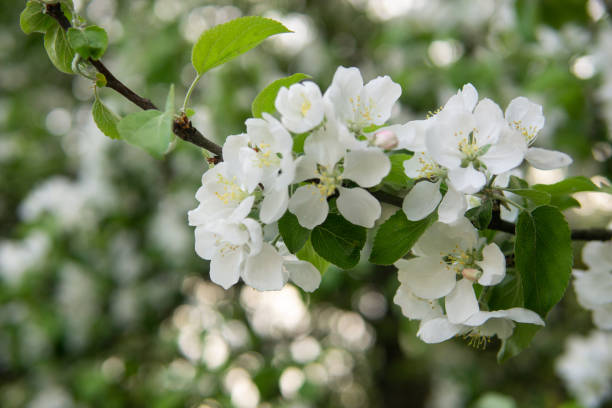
182, 128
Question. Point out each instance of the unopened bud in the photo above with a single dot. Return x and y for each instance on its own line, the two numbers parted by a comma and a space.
471, 274
385, 139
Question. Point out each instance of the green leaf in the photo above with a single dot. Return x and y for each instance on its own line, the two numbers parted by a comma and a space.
397, 178
568, 186
170, 100
307, 253
294, 235
100, 80
520, 340
150, 130
264, 102
561, 192
90, 42
517, 183
397, 236
105, 119
189, 112
543, 256
59, 50
298, 142
226, 41
338, 241
508, 293
481, 216
535, 196
33, 20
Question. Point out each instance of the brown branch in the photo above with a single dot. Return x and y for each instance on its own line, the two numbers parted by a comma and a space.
182, 127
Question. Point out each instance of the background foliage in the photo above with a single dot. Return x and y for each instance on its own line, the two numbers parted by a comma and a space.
103, 301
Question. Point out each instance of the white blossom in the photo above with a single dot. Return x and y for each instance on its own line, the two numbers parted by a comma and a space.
301, 106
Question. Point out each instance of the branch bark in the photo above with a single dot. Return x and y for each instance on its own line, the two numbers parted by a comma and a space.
182, 127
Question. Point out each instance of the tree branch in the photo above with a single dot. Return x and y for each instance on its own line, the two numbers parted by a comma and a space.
182, 127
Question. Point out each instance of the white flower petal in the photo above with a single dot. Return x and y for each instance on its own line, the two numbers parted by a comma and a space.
414, 307
309, 206
205, 243
303, 274
493, 265
466, 179
305, 168
421, 200
358, 206
444, 239
461, 303
602, 316
378, 97
593, 288
437, 330
366, 167
273, 205
255, 235
518, 314
452, 207
544, 159
225, 267
526, 117
325, 144
345, 86
506, 154
598, 255
264, 270
489, 122
427, 277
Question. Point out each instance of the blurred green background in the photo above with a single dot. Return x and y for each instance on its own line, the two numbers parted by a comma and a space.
104, 303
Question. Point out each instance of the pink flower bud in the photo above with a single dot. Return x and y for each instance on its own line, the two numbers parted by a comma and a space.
471, 274
385, 139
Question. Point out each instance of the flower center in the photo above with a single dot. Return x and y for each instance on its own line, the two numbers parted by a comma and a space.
306, 105
428, 168
328, 181
265, 156
462, 262
477, 340
528, 132
231, 191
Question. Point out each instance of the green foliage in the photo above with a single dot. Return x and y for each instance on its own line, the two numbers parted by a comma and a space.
543, 255
397, 178
339, 241
90, 42
294, 235
150, 130
59, 50
308, 253
33, 20
264, 101
508, 293
396, 236
561, 192
226, 41
536, 197
105, 119
481, 216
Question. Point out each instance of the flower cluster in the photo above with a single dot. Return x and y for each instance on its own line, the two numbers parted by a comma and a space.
465, 150
450, 259
594, 287
251, 187
466, 145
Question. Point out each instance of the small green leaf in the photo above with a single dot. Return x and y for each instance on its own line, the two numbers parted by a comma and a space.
90, 42
397, 236
33, 20
543, 256
517, 183
568, 186
170, 100
481, 216
150, 130
294, 235
189, 112
307, 253
105, 119
264, 102
338, 241
100, 80
59, 50
226, 41
397, 178
298, 142
535, 196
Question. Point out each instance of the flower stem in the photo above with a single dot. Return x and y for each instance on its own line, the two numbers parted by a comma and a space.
189, 91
